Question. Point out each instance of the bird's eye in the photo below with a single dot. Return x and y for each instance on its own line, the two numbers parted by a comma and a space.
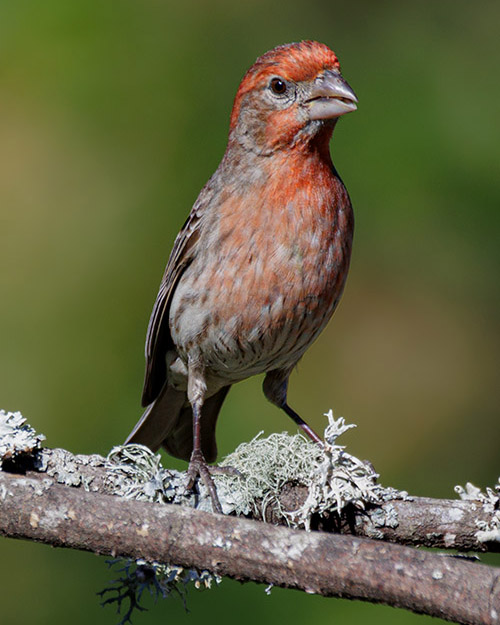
278, 86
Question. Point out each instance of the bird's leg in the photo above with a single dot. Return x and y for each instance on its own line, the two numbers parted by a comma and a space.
275, 389
301, 423
198, 465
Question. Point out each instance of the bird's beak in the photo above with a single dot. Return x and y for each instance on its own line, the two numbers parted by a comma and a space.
330, 97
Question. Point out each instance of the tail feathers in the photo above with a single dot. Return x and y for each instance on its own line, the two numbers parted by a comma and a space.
179, 441
159, 419
168, 421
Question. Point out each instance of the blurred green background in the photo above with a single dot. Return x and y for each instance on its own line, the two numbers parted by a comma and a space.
112, 117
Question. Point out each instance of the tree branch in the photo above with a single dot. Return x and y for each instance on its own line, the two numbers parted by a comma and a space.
34, 506
415, 521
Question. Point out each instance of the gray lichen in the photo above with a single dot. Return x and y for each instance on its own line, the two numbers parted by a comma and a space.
262, 467
69, 469
333, 478
17, 438
488, 531
135, 472
160, 580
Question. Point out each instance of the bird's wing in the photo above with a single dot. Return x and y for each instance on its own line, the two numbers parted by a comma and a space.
158, 339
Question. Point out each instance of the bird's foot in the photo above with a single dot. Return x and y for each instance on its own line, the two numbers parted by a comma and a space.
198, 467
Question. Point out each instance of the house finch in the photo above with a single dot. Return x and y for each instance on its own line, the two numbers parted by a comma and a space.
260, 264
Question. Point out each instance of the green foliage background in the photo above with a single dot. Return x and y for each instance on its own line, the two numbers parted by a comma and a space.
112, 117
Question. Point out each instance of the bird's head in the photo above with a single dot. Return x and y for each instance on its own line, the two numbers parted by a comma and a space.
291, 96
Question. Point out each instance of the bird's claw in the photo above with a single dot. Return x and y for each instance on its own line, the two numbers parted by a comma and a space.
198, 467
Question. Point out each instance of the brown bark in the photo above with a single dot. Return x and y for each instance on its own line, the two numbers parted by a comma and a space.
36, 507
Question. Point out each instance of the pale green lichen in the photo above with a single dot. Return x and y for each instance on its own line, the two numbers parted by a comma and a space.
261, 469
333, 478
488, 531
17, 437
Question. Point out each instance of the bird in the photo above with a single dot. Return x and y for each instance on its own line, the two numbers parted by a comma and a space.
260, 264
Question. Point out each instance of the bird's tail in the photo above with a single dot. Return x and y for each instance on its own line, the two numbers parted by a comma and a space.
168, 422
